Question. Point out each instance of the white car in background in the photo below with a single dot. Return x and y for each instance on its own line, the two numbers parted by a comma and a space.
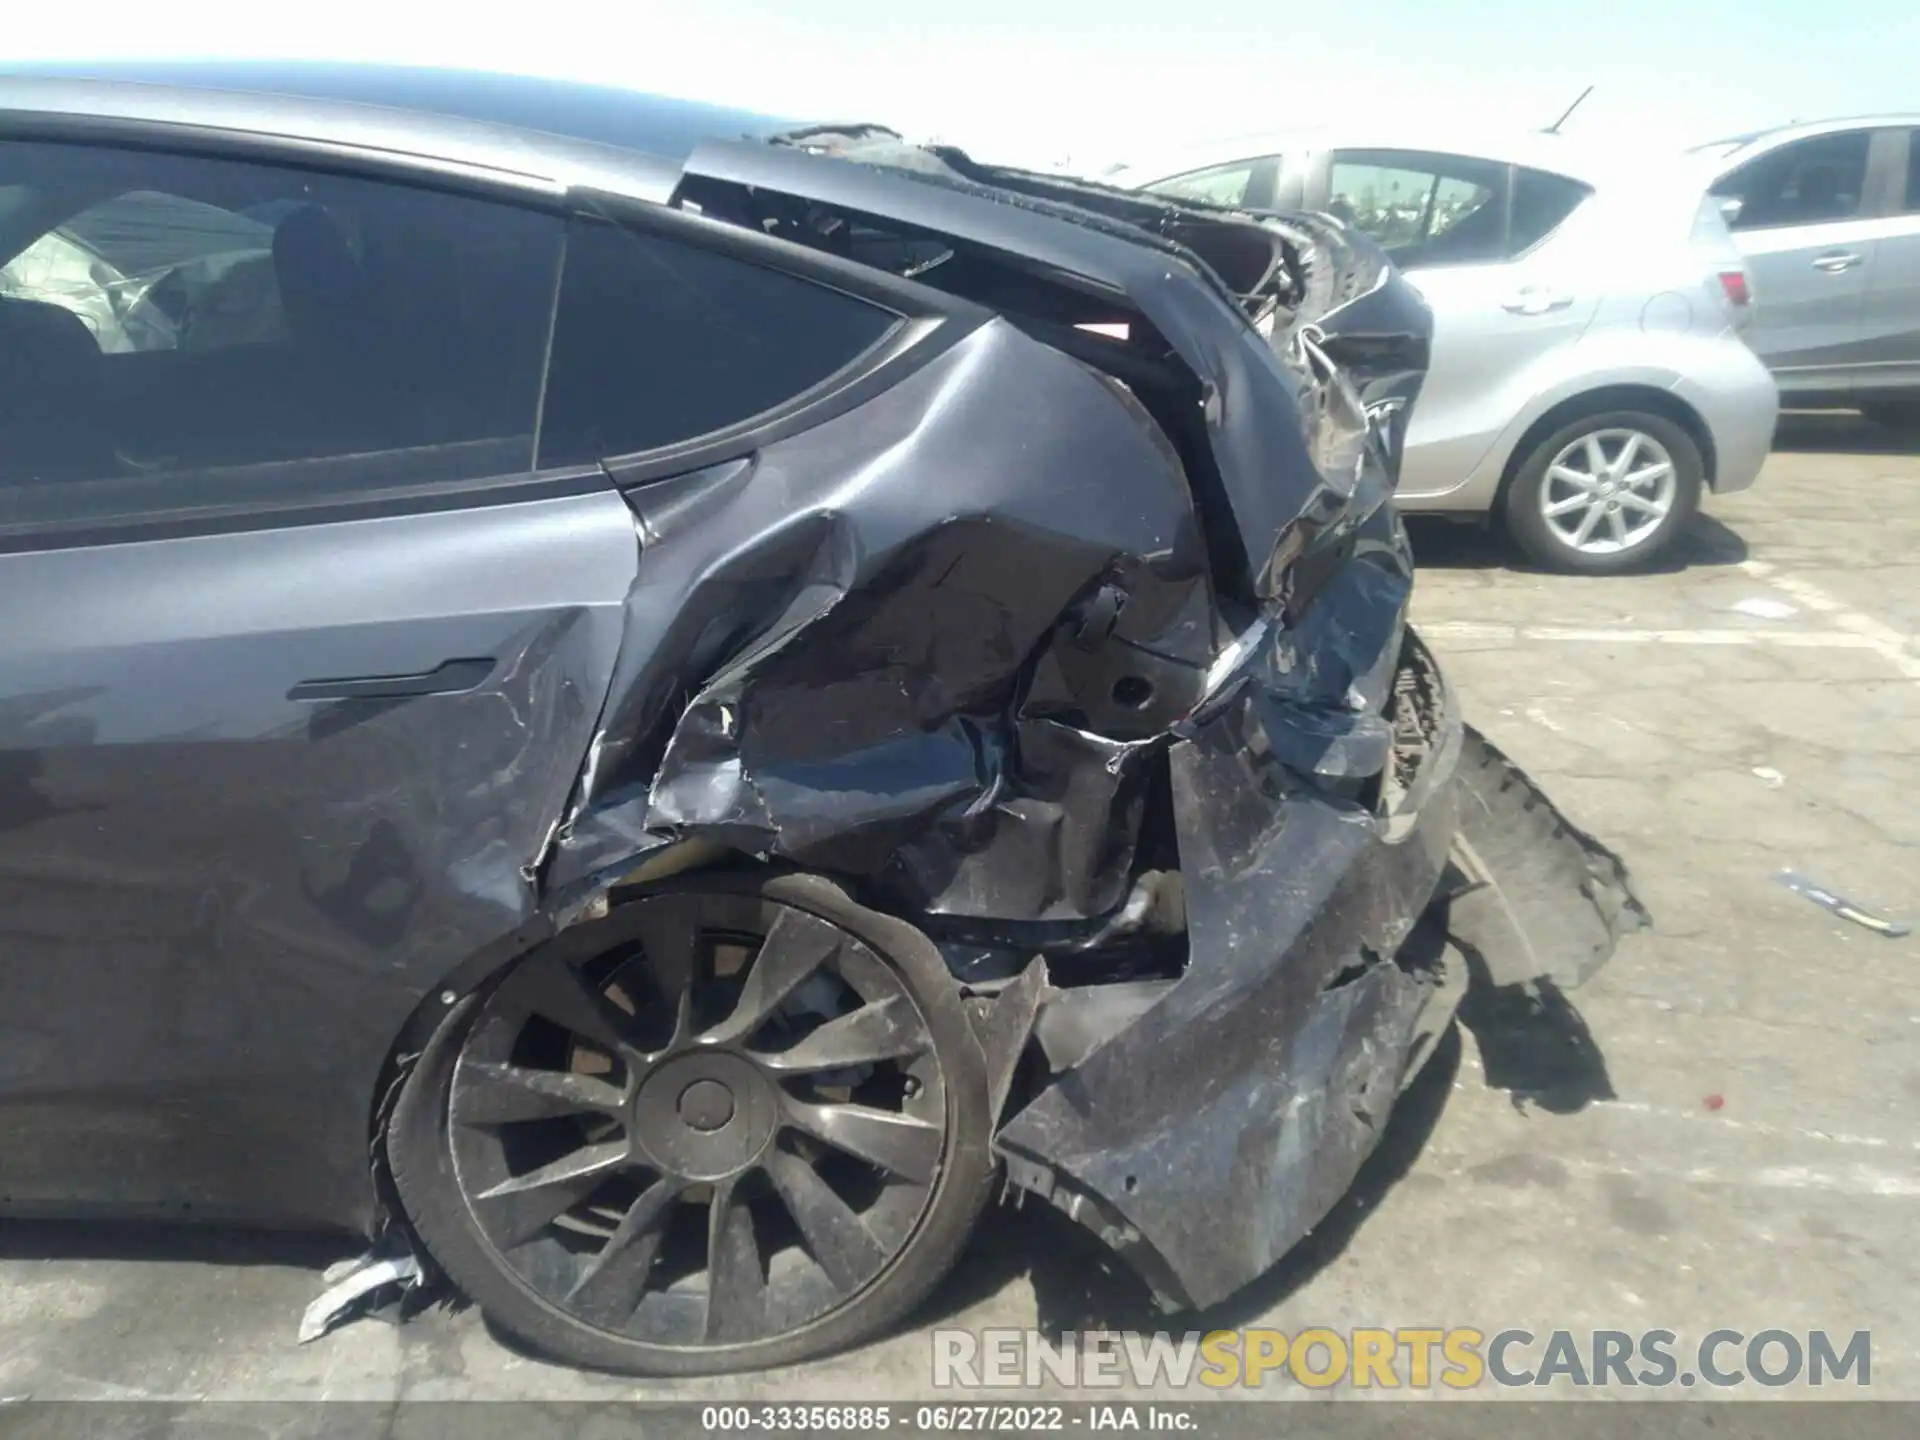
1589, 377
1827, 216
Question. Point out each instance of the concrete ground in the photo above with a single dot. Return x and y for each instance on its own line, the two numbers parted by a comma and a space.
1739, 1149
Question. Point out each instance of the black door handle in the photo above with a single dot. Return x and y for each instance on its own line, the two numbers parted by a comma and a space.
448, 678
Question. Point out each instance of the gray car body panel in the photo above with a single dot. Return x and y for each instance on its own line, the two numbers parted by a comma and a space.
778, 751
224, 902
626, 120
1041, 474
950, 643
289, 129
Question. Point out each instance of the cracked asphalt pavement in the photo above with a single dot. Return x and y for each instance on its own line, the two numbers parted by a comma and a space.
1733, 1144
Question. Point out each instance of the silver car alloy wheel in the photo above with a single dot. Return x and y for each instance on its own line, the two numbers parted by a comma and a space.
1608, 491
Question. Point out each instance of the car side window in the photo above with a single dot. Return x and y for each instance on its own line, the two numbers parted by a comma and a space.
1424, 209
1912, 204
1807, 182
121, 263
658, 341
1541, 202
1216, 185
177, 331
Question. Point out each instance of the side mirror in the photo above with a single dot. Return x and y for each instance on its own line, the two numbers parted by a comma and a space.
1730, 207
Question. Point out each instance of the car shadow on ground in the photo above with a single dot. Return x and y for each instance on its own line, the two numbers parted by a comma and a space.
1440, 544
1531, 1041
1533, 1044
1844, 432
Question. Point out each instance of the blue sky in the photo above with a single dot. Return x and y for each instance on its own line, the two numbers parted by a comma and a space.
1087, 82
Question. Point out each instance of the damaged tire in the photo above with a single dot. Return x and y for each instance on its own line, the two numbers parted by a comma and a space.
738, 1122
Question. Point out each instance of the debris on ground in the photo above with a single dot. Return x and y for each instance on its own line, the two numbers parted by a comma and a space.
1762, 609
355, 1286
1844, 908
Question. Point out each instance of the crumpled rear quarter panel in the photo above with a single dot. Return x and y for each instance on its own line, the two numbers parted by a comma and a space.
943, 644
883, 613
1217, 1129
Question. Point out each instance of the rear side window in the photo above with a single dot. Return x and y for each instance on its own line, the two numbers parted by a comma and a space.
133, 265
658, 342
207, 331
1217, 185
1424, 209
1808, 182
1540, 203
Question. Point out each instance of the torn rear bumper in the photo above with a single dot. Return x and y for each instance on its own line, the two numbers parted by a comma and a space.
1207, 1137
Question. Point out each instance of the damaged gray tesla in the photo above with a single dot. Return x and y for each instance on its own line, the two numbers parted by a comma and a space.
645, 727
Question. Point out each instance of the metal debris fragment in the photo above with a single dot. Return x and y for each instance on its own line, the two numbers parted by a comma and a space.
349, 1283
1844, 908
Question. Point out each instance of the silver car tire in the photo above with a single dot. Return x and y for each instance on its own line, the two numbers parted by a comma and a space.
1605, 493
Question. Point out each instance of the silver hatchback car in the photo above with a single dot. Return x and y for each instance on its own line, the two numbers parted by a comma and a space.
1589, 376
1827, 216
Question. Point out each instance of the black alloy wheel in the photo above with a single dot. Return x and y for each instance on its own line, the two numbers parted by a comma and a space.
737, 1122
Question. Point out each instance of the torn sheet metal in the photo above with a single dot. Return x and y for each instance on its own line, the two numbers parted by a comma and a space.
956, 643
937, 642
1267, 423
890, 611
1224, 1122
355, 1286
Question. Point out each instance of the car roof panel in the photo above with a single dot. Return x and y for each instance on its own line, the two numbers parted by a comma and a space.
548, 135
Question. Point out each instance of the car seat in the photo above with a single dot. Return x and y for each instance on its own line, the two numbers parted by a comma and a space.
54, 423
